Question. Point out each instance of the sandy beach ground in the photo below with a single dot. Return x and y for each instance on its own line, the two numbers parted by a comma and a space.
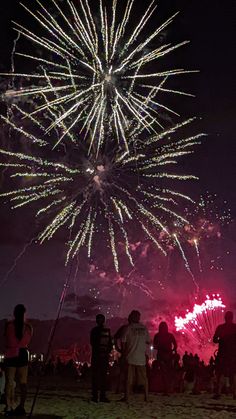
62, 399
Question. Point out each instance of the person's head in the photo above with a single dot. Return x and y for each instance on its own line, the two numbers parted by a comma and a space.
130, 318
229, 316
163, 327
134, 316
100, 319
19, 311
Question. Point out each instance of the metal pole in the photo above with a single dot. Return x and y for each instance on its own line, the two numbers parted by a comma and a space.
51, 337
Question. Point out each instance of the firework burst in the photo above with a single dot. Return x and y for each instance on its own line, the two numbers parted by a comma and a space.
110, 194
93, 73
200, 324
206, 219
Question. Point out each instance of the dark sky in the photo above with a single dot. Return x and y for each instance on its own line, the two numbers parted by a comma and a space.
210, 26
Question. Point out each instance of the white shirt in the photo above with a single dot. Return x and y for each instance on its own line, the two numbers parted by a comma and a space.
136, 338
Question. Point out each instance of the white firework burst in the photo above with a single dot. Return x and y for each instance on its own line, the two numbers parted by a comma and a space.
93, 72
111, 194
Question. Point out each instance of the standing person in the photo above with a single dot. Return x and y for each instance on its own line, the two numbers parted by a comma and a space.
165, 344
101, 342
2, 384
18, 334
120, 347
225, 336
136, 338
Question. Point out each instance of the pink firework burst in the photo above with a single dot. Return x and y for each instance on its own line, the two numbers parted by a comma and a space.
199, 325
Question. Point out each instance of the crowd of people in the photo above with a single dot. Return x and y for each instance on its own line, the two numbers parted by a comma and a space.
166, 373
131, 370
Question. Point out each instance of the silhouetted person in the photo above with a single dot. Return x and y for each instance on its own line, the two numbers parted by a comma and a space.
212, 362
101, 342
18, 334
196, 372
2, 383
185, 359
118, 336
136, 338
84, 370
225, 336
165, 344
120, 347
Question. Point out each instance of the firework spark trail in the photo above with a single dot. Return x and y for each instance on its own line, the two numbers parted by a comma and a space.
206, 218
75, 281
186, 261
140, 285
198, 254
92, 70
11, 84
128, 283
143, 288
110, 191
17, 259
200, 324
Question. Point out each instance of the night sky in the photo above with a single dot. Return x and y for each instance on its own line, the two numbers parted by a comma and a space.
210, 26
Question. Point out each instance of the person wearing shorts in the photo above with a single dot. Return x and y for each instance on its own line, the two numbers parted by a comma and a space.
18, 334
136, 338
